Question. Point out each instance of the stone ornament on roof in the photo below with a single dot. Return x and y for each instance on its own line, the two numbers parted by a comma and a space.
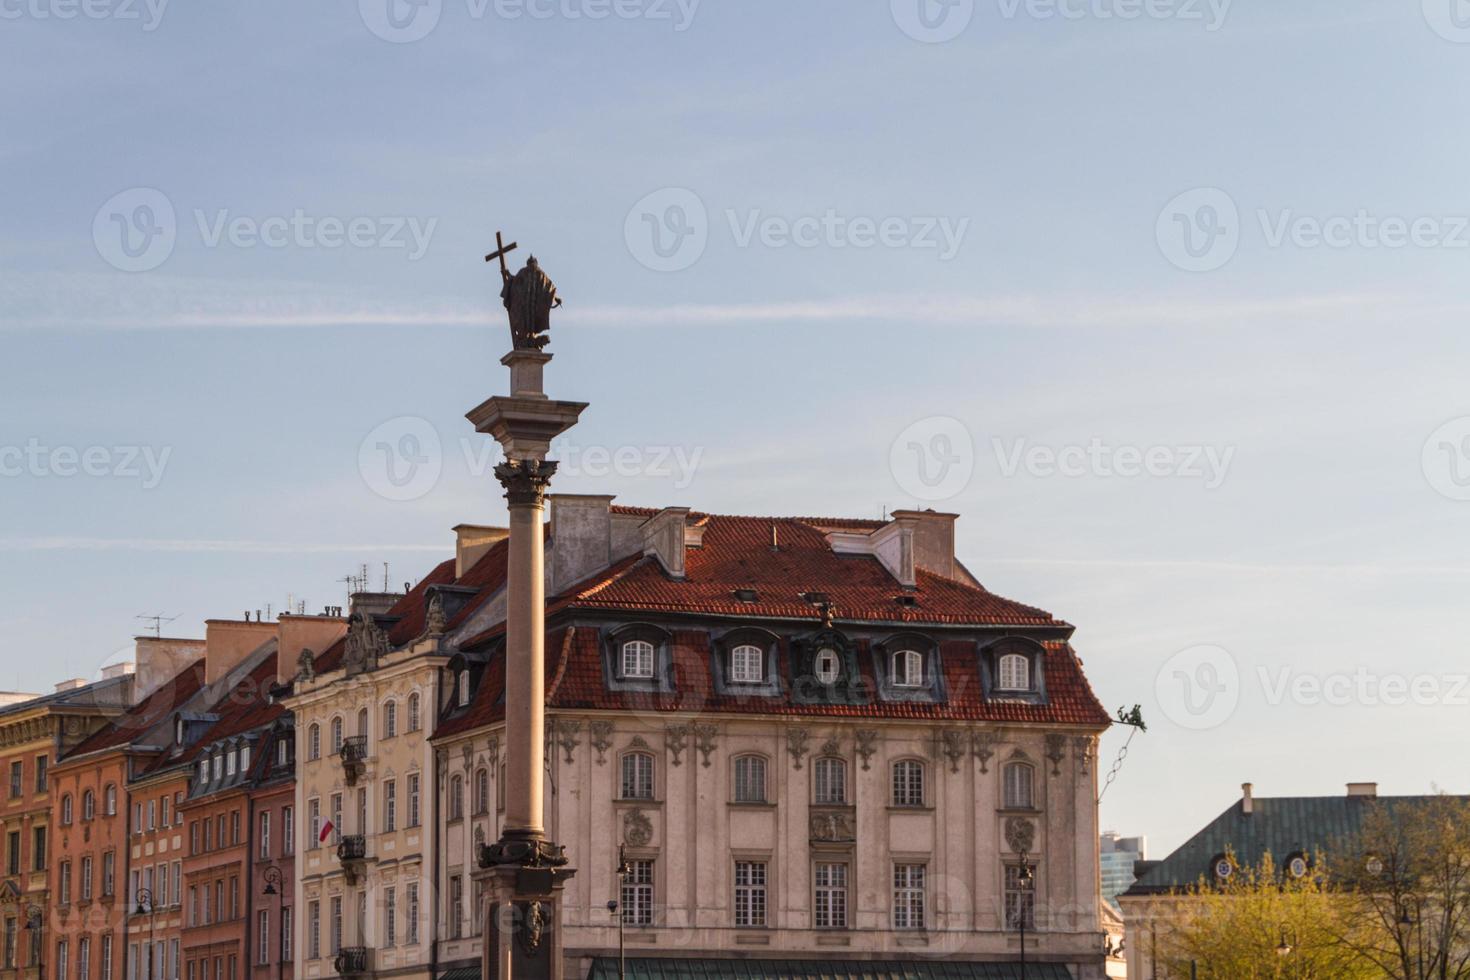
366, 644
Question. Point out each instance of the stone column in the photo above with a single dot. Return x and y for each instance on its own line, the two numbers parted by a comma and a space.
523, 872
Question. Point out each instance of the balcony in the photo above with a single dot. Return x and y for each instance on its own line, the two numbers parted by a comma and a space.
352, 961
354, 758
352, 853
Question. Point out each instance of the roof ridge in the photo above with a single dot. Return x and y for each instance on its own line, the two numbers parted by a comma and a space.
563, 659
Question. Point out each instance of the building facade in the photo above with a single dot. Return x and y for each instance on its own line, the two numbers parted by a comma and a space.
1117, 857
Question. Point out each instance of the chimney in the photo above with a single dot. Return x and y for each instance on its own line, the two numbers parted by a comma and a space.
1366, 791
71, 685
663, 537
298, 633
114, 671
159, 661
933, 536
227, 642
581, 538
372, 603
1247, 802
471, 542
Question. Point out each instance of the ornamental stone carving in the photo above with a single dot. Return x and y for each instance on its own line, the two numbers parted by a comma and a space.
982, 747
1020, 834
704, 741
796, 743
306, 665
492, 749
954, 747
434, 620
832, 826
601, 738
675, 737
1056, 751
1084, 747
637, 828
833, 746
568, 736
867, 744
366, 644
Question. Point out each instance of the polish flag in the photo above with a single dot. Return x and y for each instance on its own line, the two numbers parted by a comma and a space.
327, 828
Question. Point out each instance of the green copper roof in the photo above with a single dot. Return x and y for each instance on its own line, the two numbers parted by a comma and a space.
1284, 825
736, 969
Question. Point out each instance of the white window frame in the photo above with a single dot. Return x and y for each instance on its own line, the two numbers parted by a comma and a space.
638, 777
750, 779
1014, 672
750, 894
747, 664
909, 896
637, 658
827, 666
909, 783
830, 896
829, 781
637, 893
908, 668
1020, 786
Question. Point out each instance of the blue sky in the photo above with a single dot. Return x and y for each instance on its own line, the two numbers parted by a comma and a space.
980, 273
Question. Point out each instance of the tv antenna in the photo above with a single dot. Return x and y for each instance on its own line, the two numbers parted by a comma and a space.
159, 622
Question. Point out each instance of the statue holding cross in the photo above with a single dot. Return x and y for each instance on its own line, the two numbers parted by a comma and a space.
529, 297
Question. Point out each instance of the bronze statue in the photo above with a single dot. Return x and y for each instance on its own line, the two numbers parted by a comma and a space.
529, 298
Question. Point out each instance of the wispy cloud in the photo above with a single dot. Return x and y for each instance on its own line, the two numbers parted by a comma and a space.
205, 545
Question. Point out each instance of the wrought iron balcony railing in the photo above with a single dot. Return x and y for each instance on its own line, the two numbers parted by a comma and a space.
352, 961
352, 848
354, 757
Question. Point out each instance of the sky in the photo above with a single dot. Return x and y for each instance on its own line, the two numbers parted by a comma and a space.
1164, 297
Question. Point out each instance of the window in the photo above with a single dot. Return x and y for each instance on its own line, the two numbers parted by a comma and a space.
229, 763
173, 947
908, 783
193, 918
263, 937
390, 917
12, 850
244, 758
390, 806
750, 893
314, 930
456, 906
86, 888
217, 765
456, 798
61, 964
413, 799
314, 821
64, 883
1020, 898
110, 794
390, 719
336, 926
66, 810
908, 668
747, 664
638, 894
336, 818
89, 805
38, 848
411, 929
314, 741
908, 896
637, 776
17, 779
235, 827
829, 778
413, 712
208, 832
109, 872
831, 895
84, 958
10, 933
288, 830
1015, 672
204, 770
482, 790
265, 835
282, 753
40, 774
285, 934
178, 882
1019, 779
637, 658
462, 687
750, 779
336, 736
827, 665
362, 724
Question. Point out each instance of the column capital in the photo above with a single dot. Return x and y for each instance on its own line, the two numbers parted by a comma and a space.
525, 480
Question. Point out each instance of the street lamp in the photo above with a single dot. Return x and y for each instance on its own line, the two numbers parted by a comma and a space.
612, 906
145, 896
1024, 881
272, 876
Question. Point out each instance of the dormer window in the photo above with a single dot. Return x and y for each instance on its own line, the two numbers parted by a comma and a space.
204, 770
637, 659
229, 763
244, 758
464, 687
218, 766
1015, 672
178, 731
827, 666
747, 664
908, 668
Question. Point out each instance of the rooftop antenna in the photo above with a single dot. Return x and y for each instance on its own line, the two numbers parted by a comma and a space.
385, 576
158, 622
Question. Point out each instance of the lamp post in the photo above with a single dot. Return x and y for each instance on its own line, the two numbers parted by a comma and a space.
613, 906
145, 895
272, 876
1286, 947
1408, 922
1024, 881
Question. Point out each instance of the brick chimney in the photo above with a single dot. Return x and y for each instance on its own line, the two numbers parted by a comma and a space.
1247, 801
227, 642
159, 660
1367, 791
933, 540
298, 633
471, 541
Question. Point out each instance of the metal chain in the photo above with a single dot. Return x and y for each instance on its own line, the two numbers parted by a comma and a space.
1117, 764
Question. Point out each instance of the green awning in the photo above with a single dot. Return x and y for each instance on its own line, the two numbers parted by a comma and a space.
649, 968
473, 973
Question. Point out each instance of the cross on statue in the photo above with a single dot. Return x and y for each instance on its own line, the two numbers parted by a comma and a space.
529, 297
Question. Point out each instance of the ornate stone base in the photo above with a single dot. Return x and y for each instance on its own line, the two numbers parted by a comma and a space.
523, 876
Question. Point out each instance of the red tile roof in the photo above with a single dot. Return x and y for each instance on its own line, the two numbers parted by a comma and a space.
153, 710
244, 709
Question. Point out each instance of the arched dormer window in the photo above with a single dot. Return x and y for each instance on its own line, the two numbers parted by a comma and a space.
827, 666
336, 736
750, 779
908, 783
314, 741
747, 664
462, 686
178, 731
89, 805
1015, 672
637, 776
907, 668
637, 659
66, 813
1020, 786
829, 781
1011, 668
